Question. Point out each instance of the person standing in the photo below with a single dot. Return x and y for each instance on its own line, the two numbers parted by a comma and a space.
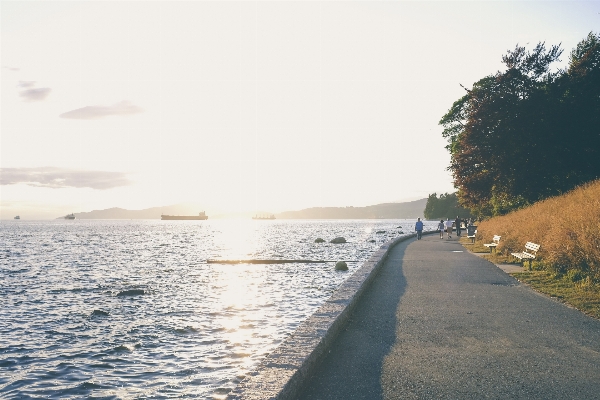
457, 222
419, 228
441, 228
449, 228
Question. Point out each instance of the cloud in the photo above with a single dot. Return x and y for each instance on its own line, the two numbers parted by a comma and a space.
58, 178
26, 84
97, 112
15, 69
35, 94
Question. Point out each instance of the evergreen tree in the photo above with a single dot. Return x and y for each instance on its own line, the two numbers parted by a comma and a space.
527, 133
446, 206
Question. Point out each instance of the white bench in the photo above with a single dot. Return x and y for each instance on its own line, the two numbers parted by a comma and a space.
530, 252
494, 244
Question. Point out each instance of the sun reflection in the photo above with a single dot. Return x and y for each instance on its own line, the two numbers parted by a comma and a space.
239, 240
236, 291
244, 317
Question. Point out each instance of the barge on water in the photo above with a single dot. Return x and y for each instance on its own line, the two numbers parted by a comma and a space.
200, 216
264, 216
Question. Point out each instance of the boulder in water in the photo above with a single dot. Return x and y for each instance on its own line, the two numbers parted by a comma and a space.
341, 266
319, 240
338, 240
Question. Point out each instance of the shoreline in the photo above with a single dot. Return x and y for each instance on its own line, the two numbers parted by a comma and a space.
282, 373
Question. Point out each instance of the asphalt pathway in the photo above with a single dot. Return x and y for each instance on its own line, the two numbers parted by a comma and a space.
441, 323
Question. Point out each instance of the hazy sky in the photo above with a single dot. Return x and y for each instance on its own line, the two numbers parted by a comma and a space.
242, 106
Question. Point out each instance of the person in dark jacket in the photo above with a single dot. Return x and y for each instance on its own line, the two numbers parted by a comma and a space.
419, 228
457, 223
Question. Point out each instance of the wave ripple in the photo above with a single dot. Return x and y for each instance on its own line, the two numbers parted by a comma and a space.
132, 309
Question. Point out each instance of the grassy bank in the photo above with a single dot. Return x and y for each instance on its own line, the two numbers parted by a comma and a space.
567, 227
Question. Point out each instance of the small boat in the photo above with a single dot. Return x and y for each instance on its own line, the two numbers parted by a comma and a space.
70, 216
17, 217
264, 216
200, 216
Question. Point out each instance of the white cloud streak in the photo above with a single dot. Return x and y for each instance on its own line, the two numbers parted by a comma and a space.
59, 178
35, 94
97, 112
26, 84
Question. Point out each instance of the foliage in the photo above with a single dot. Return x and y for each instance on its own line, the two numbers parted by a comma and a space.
445, 206
567, 227
527, 133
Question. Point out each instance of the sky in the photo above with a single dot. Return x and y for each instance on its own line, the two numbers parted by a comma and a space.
246, 106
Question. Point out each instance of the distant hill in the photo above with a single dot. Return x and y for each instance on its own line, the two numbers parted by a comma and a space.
148, 213
412, 209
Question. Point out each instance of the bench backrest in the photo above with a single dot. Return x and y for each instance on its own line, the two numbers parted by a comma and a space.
532, 246
497, 238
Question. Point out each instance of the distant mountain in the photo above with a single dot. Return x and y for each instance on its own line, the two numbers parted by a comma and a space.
148, 213
412, 209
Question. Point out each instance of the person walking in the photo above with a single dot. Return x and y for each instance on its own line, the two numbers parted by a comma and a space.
449, 228
441, 228
457, 223
419, 228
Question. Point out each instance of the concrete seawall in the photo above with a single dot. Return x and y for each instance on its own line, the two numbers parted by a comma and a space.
283, 372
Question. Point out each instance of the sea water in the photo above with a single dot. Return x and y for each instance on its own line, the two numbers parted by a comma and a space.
131, 309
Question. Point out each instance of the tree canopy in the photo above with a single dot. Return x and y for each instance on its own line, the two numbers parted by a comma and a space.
527, 133
445, 206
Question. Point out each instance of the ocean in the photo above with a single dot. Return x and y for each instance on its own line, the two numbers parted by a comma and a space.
120, 309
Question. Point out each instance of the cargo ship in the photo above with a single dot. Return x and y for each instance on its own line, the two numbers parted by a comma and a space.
200, 216
70, 216
264, 216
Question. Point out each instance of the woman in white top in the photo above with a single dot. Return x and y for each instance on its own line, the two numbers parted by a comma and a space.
441, 228
449, 228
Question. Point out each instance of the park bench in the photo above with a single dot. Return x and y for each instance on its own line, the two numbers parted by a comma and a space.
529, 253
494, 244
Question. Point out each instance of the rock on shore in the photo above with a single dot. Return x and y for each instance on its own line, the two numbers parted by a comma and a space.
341, 266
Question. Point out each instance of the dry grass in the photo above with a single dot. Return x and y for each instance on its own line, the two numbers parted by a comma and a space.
567, 227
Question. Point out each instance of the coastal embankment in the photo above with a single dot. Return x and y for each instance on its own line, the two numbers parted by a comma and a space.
434, 321
438, 322
567, 228
284, 372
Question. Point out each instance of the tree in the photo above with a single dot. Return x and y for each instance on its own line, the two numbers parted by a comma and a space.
446, 206
528, 132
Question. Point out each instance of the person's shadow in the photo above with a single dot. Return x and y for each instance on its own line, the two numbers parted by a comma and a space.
352, 367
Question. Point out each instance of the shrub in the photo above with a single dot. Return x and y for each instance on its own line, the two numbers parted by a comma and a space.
574, 275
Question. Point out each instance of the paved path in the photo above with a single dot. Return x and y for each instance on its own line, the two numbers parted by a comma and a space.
441, 323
